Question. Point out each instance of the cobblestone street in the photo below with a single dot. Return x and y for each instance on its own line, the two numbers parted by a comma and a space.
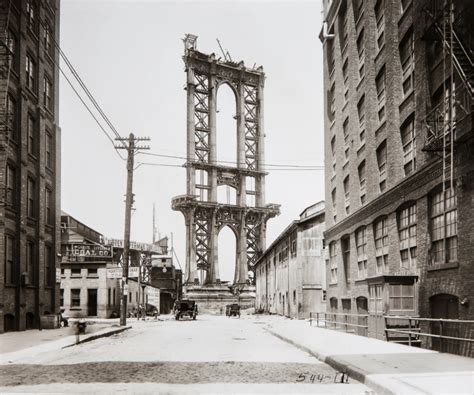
214, 351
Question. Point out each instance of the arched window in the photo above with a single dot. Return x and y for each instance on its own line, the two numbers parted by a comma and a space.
361, 243
443, 226
407, 235
381, 244
333, 262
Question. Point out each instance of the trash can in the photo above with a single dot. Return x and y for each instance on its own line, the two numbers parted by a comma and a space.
81, 327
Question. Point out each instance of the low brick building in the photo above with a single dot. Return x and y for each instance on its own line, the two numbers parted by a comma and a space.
290, 274
399, 159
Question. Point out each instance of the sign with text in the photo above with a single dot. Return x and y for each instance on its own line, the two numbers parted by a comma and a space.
134, 245
58, 276
116, 272
153, 296
89, 251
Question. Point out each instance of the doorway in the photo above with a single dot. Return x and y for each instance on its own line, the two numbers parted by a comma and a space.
444, 306
92, 302
362, 317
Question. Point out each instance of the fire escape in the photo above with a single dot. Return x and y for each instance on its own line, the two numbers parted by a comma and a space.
6, 116
450, 121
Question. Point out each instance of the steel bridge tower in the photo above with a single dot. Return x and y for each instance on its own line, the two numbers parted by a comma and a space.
204, 216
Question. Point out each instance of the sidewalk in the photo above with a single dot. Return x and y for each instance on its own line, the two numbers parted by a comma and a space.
387, 368
18, 345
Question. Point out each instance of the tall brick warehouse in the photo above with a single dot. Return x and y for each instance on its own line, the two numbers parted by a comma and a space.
399, 158
29, 162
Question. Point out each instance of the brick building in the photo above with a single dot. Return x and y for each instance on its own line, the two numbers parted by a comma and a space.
400, 196
290, 275
165, 276
29, 162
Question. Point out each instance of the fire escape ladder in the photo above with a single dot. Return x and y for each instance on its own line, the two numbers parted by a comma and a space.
5, 71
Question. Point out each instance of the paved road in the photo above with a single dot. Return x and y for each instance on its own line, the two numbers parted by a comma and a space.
211, 354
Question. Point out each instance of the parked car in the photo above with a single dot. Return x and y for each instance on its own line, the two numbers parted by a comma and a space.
184, 308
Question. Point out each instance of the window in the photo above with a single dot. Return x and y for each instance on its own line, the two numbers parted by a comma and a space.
75, 272
407, 236
358, 7
345, 71
361, 112
405, 4
333, 198
30, 73
10, 186
31, 195
362, 183
108, 296
293, 246
407, 59
11, 44
49, 149
10, 272
333, 262
381, 245
443, 221
380, 86
333, 146
402, 297
380, 21
344, 32
31, 13
47, 93
49, 265
408, 136
48, 196
375, 298
75, 297
47, 38
382, 164
331, 100
30, 262
346, 256
361, 53
345, 130
11, 117
61, 297
361, 243
347, 201
31, 131
330, 55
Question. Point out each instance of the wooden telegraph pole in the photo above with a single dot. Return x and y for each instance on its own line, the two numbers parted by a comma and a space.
132, 149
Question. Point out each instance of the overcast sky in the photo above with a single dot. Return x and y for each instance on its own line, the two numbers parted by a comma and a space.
129, 54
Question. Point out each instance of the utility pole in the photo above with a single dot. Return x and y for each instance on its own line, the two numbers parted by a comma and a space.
131, 148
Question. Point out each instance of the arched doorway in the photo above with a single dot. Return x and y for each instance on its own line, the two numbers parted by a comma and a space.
227, 254
9, 323
444, 306
30, 321
226, 126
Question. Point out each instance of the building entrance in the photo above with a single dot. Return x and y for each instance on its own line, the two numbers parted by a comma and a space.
91, 302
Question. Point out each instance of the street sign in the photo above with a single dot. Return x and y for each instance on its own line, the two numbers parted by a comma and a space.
133, 272
58, 276
89, 250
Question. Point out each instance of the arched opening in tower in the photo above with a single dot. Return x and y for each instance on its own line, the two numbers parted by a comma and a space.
226, 194
227, 254
226, 126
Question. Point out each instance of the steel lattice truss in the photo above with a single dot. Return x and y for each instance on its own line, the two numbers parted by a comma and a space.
251, 126
203, 249
253, 226
201, 117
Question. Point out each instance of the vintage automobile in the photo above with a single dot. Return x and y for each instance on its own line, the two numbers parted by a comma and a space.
232, 310
183, 308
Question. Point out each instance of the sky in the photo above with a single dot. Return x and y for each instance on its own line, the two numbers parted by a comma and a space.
129, 54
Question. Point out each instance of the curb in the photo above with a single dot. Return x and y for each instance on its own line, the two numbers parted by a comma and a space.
354, 372
98, 336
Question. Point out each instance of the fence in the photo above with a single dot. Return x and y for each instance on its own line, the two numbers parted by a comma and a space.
444, 335
354, 323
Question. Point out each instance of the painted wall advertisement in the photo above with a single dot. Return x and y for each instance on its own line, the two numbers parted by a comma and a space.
89, 251
153, 295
